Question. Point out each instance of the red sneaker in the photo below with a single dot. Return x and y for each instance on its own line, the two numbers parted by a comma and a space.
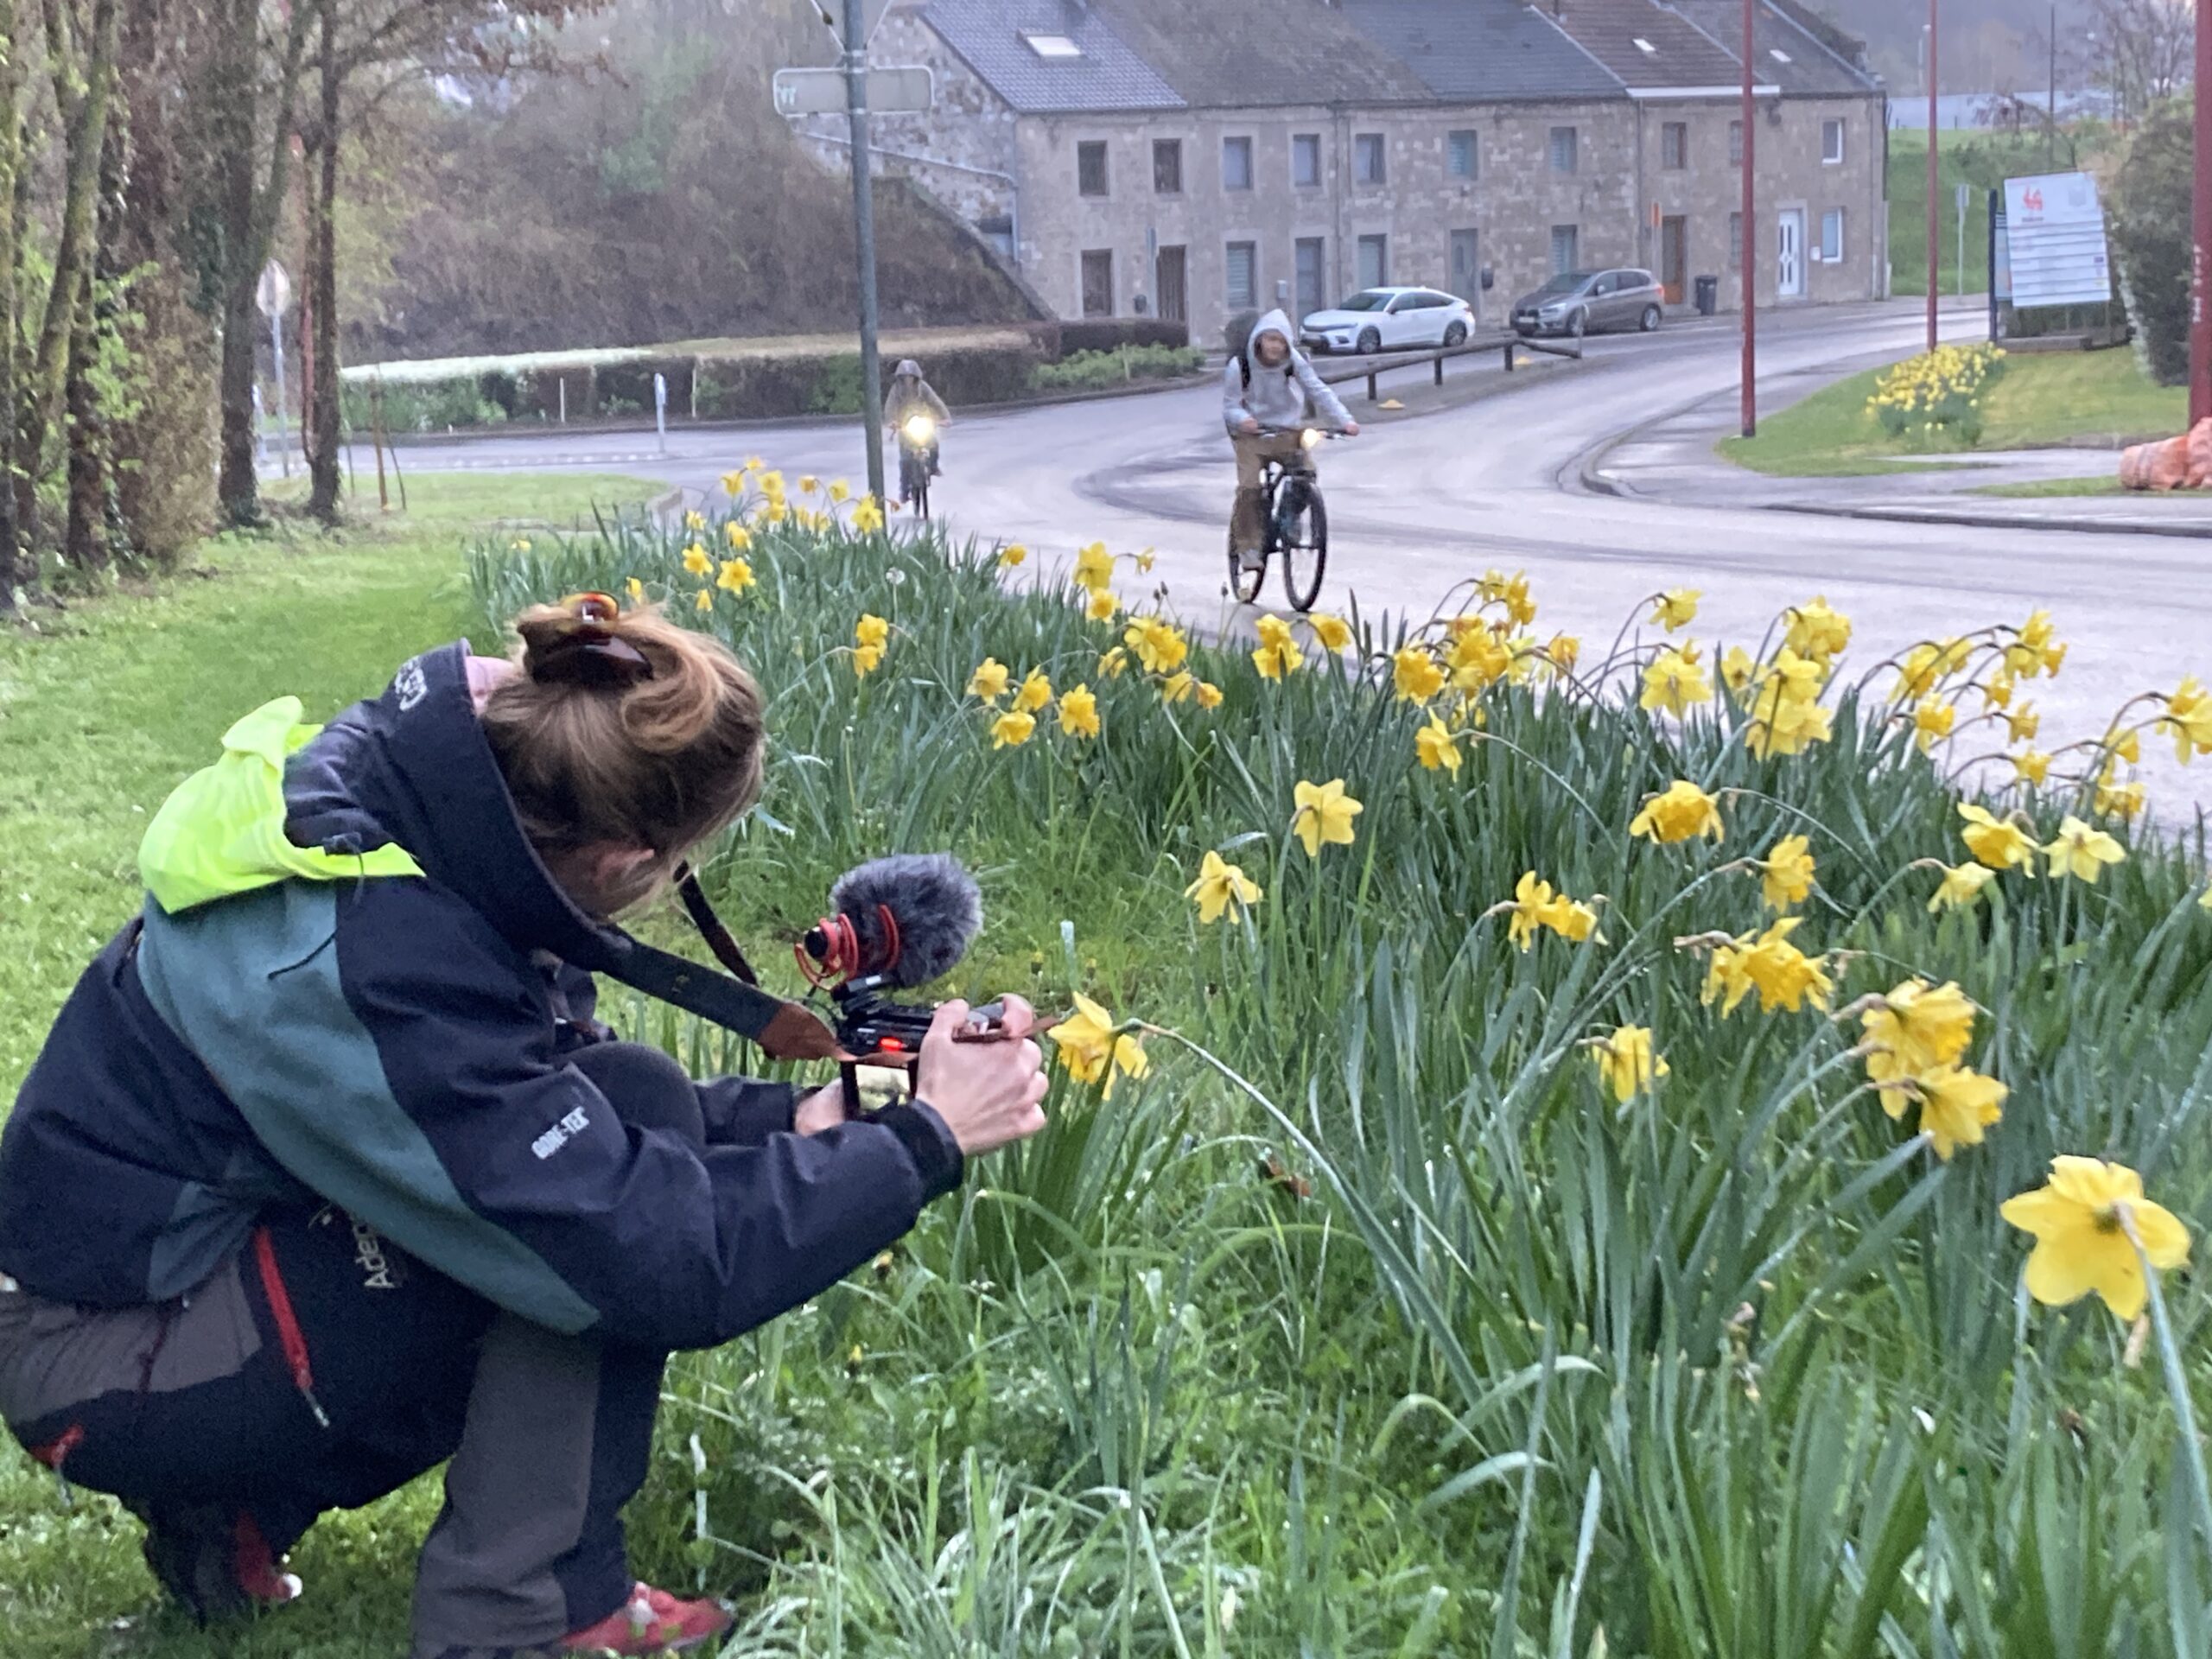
213, 1561
654, 1621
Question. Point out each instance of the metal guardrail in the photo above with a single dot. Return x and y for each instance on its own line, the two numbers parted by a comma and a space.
1375, 368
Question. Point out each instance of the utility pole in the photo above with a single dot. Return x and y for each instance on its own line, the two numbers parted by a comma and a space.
1749, 256
855, 45
2200, 289
2050, 109
1934, 254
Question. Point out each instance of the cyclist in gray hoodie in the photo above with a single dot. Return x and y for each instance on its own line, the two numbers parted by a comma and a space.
1268, 384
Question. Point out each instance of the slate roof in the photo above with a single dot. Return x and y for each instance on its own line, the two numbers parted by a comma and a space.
1247, 54
1681, 53
987, 35
1820, 56
1482, 51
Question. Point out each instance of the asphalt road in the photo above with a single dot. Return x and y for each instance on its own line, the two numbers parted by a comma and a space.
1422, 501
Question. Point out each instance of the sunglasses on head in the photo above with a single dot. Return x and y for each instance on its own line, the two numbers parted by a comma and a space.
585, 650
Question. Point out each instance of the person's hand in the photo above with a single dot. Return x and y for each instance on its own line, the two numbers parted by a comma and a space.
1249, 427
823, 1109
987, 1093
1352, 429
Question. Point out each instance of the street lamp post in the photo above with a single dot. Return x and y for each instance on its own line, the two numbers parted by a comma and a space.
2200, 267
1747, 255
1933, 253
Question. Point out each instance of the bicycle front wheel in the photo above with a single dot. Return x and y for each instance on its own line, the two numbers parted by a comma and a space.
1305, 536
1245, 579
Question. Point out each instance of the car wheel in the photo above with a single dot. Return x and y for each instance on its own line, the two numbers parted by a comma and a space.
1650, 321
1455, 334
1369, 341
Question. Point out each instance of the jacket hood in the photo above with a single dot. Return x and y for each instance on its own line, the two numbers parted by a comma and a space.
413, 769
1276, 321
907, 369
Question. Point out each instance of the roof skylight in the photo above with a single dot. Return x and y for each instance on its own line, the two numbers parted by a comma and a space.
1644, 46
1777, 54
1059, 47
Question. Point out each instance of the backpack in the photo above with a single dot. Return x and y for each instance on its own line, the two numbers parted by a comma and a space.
1236, 336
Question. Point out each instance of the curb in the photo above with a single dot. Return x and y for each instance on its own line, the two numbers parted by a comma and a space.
2197, 532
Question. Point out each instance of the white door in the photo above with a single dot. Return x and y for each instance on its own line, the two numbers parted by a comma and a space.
1402, 325
1790, 254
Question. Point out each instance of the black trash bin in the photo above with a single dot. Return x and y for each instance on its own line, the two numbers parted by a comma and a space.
1708, 295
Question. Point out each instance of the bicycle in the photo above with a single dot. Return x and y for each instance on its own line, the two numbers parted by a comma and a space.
1295, 523
917, 441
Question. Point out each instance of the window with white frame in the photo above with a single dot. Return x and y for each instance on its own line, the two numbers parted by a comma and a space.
1831, 236
1832, 142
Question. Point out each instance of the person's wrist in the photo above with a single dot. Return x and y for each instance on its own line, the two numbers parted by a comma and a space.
823, 1109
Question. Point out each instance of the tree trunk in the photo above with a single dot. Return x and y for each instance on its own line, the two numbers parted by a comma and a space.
249, 211
14, 567
95, 538
322, 287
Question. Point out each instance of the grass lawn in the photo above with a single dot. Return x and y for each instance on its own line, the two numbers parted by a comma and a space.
2093, 399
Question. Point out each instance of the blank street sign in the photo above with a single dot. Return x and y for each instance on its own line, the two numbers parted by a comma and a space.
904, 89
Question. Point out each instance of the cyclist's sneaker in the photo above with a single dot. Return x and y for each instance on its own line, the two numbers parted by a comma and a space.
653, 1621
213, 1560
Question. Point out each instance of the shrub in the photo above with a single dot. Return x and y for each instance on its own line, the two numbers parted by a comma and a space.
2151, 239
1110, 334
1096, 368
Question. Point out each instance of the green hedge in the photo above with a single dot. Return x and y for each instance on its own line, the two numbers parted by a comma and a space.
1114, 368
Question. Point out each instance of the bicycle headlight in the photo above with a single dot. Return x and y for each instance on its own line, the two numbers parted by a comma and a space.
1310, 438
920, 429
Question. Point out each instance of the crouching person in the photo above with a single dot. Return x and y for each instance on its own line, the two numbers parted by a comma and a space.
326, 1173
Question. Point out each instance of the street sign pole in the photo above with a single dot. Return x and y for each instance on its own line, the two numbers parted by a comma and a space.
855, 44
1749, 257
2200, 290
1963, 195
1934, 253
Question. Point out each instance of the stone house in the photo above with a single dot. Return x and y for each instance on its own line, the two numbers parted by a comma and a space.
1194, 160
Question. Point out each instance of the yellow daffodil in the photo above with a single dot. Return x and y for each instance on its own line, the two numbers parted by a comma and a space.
1570, 918
2021, 724
1145, 561
2001, 845
2122, 801
1956, 1106
1436, 746
1079, 712
1927, 665
1415, 674
1478, 660
1564, 652
732, 484
1915, 1028
840, 491
1998, 693
1209, 695
771, 486
1092, 1052
2029, 653
1676, 608
1333, 631
1815, 631
1932, 719
705, 601
1786, 874
2187, 720
871, 630
2082, 850
989, 680
1674, 681
775, 512
2031, 766
1221, 886
1738, 670
1626, 1061
1324, 816
1160, 645
1177, 686
1112, 662
1783, 975
734, 576
868, 518
1035, 691
1532, 897
1093, 568
1278, 653
1013, 728
2081, 1245
1010, 557
1101, 606
738, 536
694, 520
635, 590
696, 561
1510, 592
1677, 813
1960, 886
809, 485
865, 660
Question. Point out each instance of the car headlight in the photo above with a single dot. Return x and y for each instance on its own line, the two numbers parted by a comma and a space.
920, 429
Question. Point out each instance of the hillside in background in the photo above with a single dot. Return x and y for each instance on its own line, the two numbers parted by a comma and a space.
1986, 45
654, 194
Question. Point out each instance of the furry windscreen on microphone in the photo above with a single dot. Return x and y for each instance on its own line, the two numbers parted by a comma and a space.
934, 901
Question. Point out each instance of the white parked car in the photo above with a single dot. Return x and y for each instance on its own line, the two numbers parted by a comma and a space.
1388, 319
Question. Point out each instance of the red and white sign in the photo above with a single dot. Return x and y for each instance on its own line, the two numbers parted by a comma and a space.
2056, 228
